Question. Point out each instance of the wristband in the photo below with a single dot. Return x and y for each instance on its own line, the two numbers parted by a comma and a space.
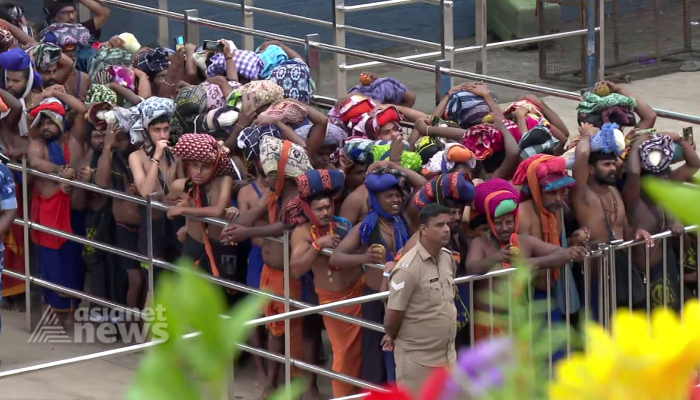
155, 161
315, 246
386, 274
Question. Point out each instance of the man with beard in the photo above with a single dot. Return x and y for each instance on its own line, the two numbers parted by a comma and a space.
599, 207
113, 172
317, 188
65, 12
498, 200
652, 156
69, 39
376, 240
19, 78
56, 151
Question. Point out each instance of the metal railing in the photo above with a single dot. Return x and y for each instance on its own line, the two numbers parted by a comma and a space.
607, 294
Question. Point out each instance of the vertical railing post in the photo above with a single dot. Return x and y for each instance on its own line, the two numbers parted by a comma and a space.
313, 59
601, 40
191, 29
481, 35
248, 41
163, 35
590, 46
27, 249
443, 83
149, 246
339, 40
447, 42
287, 324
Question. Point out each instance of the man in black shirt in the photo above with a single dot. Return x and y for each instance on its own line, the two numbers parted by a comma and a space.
65, 11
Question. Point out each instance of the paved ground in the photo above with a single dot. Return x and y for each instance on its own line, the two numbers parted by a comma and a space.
107, 379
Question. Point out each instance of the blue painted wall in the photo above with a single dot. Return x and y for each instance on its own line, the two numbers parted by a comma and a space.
419, 21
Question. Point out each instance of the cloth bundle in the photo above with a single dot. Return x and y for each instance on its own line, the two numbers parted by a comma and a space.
106, 60
272, 57
443, 161
657, 153
205, 149
64, 35
44, 54
51, 108
287, 112
320, 182
383, 90
100, 94
454, 186
466, 108
153, 61
592, 103
359, 151
189, 104
411, 160
264, 92
427, 147
215, 96
335, 135
485, 139
620, 115
537, 140
527, 104
250, 137
608, 140
136, 119
294, 77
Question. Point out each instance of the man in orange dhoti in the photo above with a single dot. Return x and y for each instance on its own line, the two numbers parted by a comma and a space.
324, 230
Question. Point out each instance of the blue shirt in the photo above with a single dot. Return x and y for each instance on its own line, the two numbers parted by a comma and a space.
8, 198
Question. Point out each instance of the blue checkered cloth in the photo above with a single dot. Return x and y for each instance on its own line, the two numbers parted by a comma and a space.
248, 64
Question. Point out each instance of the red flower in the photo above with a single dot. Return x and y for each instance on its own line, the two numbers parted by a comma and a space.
435, 384
394, 393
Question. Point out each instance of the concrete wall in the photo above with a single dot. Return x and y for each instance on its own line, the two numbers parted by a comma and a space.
421, 21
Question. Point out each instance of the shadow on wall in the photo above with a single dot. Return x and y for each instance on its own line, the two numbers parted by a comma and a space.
420, 21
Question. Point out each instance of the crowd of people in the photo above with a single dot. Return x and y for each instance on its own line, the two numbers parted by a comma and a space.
216, 131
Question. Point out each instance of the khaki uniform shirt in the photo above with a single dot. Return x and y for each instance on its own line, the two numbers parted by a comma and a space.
423, 288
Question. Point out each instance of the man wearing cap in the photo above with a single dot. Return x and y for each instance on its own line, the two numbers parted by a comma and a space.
53, 150
317, 188
66, 12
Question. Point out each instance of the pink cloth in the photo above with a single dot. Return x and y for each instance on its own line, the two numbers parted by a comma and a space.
485, 139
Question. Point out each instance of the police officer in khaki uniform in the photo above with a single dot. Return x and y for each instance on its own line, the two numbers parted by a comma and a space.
421, 313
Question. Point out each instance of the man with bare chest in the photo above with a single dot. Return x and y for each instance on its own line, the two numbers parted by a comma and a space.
57, 151
652, 155
498, 201
324, 230
19, 78
282, 163
113, 172
377, 239
599, 207
206, 193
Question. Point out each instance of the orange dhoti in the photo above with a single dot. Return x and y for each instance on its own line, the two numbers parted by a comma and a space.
346, 338
272, 280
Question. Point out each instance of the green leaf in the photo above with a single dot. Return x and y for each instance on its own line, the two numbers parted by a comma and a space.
681, 200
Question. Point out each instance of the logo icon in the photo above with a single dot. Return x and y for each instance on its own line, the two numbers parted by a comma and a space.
49, 329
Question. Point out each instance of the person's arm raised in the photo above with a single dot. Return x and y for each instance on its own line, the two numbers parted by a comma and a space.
101, 12
579, 193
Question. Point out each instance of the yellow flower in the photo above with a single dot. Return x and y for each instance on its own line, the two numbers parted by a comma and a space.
639, 361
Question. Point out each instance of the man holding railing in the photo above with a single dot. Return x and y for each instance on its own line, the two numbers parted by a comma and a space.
52, 149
